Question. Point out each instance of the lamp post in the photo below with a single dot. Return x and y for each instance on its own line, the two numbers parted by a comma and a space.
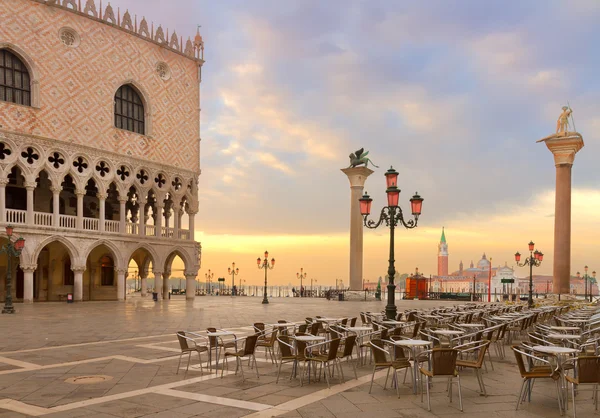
232, 271
588, 279
208, 276
264, 264
240, 289
11, 249
392, 216
302, 276
535, 259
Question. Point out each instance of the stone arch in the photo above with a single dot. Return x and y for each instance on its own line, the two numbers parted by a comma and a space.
189, 265
145, 96
73, 253
34, 73
156, 260
116, 253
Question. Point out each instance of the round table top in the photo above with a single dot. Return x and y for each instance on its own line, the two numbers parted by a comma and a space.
473, 325
219, 333
554, 350
309, 338
565, 328
447, 332
575, 320
283, 325
392, 322
355, 329
411, 342
329, 319
564, 336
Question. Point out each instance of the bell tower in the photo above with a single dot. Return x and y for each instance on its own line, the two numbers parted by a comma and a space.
443, 255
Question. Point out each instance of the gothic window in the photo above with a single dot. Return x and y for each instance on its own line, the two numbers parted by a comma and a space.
14, 79
129, 110
107, 271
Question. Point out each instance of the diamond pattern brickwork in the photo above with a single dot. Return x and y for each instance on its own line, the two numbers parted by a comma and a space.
77, 86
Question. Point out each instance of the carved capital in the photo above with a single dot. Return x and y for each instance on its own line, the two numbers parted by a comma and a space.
3, 182
123, 199
121, 271
56, 190
101, 196
29, 268
30, 185
78, 269
189, 275
79, 193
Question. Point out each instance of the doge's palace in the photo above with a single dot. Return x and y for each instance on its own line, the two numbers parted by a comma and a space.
99, 149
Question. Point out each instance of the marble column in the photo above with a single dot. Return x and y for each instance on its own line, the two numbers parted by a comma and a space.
28, 283
30, 187
78, 283
3, 183
158, 219
176, 219
144, 282
357, 177
165, 285
122, 215
158, 283
190, 286
563, 146
192, 223
142, 218
102, 212
121, 284
80, 195
56, 206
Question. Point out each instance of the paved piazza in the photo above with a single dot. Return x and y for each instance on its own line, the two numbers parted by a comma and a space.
47, 350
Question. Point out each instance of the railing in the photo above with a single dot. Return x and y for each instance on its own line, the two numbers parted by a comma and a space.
184, 234
67, 221
90, 224
42, 218
111, 226
167, 232
150, 230
131, 228
16, 216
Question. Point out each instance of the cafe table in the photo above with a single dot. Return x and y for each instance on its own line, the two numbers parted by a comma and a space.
309, 338
448, 333
560, 354
217, 335
413, 345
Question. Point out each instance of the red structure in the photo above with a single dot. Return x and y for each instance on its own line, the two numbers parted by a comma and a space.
416, 286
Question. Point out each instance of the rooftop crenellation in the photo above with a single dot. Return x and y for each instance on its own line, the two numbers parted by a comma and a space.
191, 48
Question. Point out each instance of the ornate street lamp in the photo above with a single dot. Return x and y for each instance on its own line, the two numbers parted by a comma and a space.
535, 259
208, 276
11, 249
232, 271
392, 216
302, 276
588, 279
264, 264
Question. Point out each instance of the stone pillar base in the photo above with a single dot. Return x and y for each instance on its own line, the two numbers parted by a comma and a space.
358, 296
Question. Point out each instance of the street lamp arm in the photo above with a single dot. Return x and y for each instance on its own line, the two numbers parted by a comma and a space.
410, 224
383, 217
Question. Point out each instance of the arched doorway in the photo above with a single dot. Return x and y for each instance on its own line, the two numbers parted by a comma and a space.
14, 273
141, 271
53, 279
100, 276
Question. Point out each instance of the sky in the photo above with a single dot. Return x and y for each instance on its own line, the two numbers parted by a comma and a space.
453, 95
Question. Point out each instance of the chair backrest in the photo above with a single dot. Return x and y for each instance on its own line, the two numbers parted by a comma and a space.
399, 316
416, 329
302, 329
520, 360
183, 343
363, 318
259, 326
333, 348
300, 349
349, 343
308, 320
588, 369
284, 346
282, 321
212, 340
344, 322
273, 337
250, 344
443, 361
384, 333
411, 316
353, 322
314, 328
377, 350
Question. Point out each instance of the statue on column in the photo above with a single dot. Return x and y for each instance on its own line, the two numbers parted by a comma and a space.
360, 157
562, 124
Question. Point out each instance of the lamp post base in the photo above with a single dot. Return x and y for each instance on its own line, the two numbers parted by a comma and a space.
265, 301
390, 308
8, 310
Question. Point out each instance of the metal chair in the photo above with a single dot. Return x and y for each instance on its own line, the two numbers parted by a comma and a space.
383, 360
443, 364
189, 345
478, 348
247, 351
588, 373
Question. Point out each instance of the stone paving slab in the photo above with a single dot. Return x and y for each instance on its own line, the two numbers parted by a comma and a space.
134, 343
